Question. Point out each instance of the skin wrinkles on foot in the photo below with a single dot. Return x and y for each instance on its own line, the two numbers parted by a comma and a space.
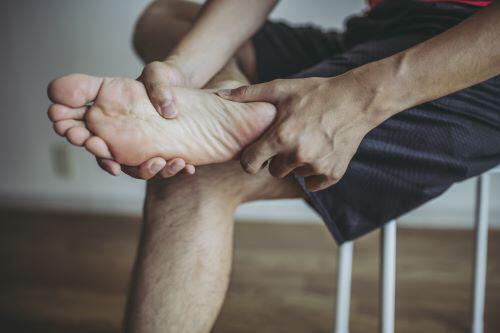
123, 125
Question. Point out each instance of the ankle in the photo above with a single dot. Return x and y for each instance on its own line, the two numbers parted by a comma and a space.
211, 184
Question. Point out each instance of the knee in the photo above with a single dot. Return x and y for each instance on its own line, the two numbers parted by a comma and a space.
155, 18
146, 24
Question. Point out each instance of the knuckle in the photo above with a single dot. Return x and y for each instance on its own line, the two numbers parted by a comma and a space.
278, 82
248, 162
280, 88
282, 136
302, 155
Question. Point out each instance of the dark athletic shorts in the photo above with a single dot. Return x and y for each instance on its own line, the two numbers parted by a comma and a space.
415, 155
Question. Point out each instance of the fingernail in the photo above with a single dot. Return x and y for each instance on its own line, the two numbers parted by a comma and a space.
156, 167
167, 110
175, 166
190, 170
224, 92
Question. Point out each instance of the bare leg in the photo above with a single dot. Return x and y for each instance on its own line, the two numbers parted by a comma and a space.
183, 265
182, 268
184, 261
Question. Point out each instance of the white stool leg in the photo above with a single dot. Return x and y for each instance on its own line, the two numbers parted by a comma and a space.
387, 278
344, 270
480, 251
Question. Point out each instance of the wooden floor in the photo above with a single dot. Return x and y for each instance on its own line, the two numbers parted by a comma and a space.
68, 273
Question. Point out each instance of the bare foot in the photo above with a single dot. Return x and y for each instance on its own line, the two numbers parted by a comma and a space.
121, 124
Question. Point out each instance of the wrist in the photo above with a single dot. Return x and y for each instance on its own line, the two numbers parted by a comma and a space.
384, 92
184, 67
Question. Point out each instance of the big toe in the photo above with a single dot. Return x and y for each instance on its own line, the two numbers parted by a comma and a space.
74, 90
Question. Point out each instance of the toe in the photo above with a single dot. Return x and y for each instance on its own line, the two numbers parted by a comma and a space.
74, 90
61, 127
59, 112
98, 147
78, 135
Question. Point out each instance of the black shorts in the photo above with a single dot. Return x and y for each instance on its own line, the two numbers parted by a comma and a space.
417, 154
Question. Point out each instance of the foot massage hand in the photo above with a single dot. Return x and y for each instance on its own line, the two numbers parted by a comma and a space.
319, 125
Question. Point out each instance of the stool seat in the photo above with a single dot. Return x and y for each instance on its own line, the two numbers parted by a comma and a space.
388, 267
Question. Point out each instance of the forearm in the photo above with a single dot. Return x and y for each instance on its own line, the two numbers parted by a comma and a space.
464, 55
220, 29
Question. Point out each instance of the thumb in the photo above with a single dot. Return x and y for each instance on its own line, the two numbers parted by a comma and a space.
262, 92
157, 78
162, 98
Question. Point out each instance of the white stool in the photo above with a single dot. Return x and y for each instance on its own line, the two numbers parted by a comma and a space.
388, 268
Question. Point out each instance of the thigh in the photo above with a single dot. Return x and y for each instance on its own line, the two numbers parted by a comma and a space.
412, 157
282, 50
162, 24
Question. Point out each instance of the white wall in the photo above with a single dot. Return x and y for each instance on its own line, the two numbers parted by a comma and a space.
44, 39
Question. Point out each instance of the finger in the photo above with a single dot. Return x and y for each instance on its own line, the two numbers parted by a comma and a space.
78, 135
256, 155
59, 112
61, 127
146, 170
110, 166
96, 146
317, 183
282, 164
173, 167
262, 92
74, 90
189, 169
305, 171
132, 171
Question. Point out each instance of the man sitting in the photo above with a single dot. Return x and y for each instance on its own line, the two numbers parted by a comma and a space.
366, 125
